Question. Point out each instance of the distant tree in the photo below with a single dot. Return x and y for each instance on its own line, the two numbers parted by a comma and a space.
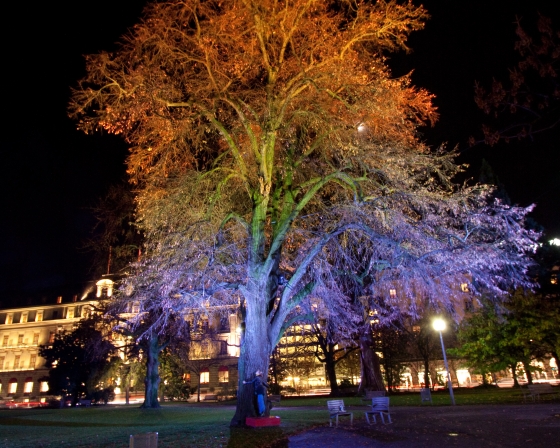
116, 240
525, 329
393, 342
425, 345
529, 103
80, 360
172, 370
268, 140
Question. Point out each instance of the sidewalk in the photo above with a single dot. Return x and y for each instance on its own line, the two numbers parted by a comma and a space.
523, 426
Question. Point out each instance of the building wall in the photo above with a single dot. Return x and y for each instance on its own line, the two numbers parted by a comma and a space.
22, 331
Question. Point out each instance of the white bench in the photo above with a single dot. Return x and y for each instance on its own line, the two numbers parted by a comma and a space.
337, 409
379, 405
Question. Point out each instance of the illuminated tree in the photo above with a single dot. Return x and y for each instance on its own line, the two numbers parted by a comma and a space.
270, 145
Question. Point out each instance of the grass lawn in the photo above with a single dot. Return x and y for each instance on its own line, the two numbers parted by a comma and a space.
194, 425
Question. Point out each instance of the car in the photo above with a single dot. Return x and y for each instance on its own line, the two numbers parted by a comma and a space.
508, 382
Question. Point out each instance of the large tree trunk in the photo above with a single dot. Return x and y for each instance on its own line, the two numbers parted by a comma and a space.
254, 355
370, 366
330, 368
152, 374
426, 373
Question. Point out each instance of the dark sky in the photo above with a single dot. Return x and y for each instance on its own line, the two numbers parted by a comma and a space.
53, 173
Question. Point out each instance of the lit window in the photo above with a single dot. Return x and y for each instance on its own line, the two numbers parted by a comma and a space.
9, 318
5, 340
464, 287
104, 286
39, 316
35, 338
393, 293
32, 361
28, 386
204, 377
187, 377
16, 362
44, 387
51, 337
416, 328
0, 386
59, 299
23, 318
70, 314
223, 374
12, 387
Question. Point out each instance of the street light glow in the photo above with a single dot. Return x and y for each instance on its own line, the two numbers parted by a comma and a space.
439, 324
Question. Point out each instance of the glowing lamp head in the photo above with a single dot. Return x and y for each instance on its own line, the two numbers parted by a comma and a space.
438, 324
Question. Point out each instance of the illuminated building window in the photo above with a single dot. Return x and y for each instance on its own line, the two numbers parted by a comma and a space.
35, 338
70, 314
393, 293
223, 374
5, 341
23, 318
39, 316
464, 287
16, 362
9, 318
104, 287
28, 385
59, 299
20, 339
187, 377
32, 361
0, 386
51, 337
44, 386
204, 377
2, 358
416, 328
12, 386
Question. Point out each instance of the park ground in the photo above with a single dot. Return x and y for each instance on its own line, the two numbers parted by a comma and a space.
495, 418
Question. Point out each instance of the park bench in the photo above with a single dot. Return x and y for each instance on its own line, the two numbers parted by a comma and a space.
86, 403
337, 409
536, 390
210, 397
425, 395
379, 405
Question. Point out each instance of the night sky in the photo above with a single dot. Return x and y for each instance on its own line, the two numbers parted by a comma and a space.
53, 174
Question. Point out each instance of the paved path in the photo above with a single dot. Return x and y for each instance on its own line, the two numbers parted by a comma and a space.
512, 426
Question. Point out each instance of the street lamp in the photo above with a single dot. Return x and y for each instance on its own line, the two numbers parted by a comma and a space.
439, 325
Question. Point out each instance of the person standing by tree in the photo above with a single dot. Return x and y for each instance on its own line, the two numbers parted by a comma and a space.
260, 390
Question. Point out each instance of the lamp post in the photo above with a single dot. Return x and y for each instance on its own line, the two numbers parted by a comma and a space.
439, 325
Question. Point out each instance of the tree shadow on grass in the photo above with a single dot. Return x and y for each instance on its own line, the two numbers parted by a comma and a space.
257, 438
30, 422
